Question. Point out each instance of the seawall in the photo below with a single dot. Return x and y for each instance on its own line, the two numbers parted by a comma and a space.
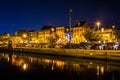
91, 54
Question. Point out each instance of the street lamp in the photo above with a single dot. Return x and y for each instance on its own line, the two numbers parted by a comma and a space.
98, 24
52, 29
113, 26
24, 37
70, 21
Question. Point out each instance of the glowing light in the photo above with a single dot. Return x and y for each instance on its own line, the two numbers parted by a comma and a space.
113, 26
8, 59
102, 29
52, 29
99, 41
102, 70
76, 36
91, 62
98, 70
85, 41
91, 54
110, 40
106, 35
52, 67
104, 42
24, 35
68, 36
98, 23
70, 10
24, 66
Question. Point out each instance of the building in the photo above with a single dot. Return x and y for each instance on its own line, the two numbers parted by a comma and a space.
78, 30
48, 35
107, 34
32, 37
44, 35
24, 35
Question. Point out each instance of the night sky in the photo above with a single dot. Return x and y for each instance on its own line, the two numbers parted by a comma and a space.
33, 14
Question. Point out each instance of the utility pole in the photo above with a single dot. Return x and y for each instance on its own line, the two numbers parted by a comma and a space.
70, 21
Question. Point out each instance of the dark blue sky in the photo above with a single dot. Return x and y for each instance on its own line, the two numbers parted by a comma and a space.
33, 14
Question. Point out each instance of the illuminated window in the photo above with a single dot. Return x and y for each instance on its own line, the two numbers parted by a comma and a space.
106, 35
102, 29
67, 29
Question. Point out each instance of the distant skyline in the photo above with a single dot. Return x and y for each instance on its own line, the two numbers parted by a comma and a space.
34, 14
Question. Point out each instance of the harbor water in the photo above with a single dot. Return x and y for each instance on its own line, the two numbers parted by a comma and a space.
29, 66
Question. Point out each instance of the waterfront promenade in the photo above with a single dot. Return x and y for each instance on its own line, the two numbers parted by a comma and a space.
79, 53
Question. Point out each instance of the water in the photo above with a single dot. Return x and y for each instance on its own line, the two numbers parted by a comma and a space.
20, 66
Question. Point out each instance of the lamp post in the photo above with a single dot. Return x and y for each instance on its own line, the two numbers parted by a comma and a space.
113, 27
24, 37
98, 24
70, 21
52, 39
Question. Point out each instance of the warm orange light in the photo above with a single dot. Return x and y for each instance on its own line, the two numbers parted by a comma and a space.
113, 26
98, 24
24, 35
52, 29
24, 66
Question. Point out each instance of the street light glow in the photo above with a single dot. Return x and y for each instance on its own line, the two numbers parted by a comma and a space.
24, 35
70, 10
98, 23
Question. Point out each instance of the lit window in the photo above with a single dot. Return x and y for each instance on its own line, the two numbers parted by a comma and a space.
106, 35
102, 29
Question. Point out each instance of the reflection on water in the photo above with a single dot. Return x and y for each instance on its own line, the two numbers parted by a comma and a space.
60, 67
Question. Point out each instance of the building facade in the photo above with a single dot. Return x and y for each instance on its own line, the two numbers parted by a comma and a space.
74, 35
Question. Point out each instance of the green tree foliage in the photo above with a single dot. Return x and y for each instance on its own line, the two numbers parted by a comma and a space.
117, 33
91, 35
4, 37
53, 40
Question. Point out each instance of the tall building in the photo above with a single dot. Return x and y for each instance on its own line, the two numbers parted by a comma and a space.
60, 31
107, 34
44, 35
64, 33
78, 30
32, 36
74, 34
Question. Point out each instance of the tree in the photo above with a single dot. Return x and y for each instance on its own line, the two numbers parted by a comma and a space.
91, 35
53, 40
117, 33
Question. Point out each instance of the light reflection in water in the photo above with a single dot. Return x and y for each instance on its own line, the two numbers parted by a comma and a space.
8, 59
102, 70
76, 67
59, 64
26, 61
25, 66
98, 71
